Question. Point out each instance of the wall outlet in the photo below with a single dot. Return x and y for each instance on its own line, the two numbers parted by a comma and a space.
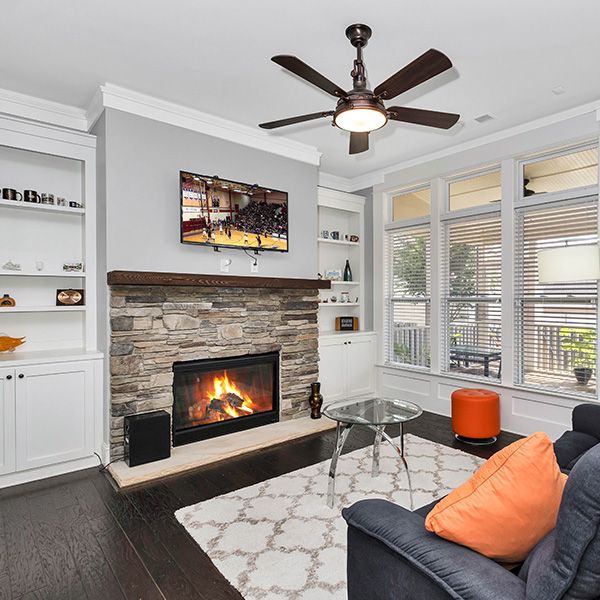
225, 262
254, 267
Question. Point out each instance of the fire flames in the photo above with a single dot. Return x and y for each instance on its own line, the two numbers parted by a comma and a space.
227, 399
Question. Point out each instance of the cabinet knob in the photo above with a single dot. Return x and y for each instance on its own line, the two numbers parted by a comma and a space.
9, 377
21, 375
349, 342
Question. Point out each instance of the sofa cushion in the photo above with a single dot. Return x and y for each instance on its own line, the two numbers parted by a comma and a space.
570, 446
586, 419
508, 505
425, 510
569, 565
541, 554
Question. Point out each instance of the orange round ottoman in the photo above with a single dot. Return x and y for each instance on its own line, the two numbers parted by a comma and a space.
475, 415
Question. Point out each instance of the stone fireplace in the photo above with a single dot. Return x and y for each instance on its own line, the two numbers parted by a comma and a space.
162, 320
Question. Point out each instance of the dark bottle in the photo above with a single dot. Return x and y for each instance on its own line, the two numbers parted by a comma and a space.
347, 271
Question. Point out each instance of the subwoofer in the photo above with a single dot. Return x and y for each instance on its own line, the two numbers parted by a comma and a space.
147, 437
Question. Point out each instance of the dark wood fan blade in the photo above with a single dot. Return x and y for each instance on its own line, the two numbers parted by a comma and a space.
419, 116
428, 65
295, 65
292, 120
359, 142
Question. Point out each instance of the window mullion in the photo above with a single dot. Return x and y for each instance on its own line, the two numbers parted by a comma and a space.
509, 182
439, 192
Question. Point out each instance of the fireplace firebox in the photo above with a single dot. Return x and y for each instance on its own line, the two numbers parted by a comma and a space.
213, 397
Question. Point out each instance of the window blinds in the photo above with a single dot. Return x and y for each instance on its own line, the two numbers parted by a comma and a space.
471, 293
556, 323
409, 292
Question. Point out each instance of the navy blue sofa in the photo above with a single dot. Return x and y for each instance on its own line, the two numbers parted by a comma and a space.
572, 445
391, 556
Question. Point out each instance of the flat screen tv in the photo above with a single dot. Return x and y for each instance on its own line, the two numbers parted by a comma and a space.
218, 212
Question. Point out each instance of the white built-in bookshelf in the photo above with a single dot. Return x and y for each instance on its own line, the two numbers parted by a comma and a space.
51, 386
42, 237
342, 213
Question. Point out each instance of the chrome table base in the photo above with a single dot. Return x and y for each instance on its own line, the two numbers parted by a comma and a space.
342, 431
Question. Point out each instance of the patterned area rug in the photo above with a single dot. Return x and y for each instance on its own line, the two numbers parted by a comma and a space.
278, 539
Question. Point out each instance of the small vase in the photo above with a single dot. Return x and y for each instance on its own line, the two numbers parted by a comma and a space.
7, 301
315, 400
347, 271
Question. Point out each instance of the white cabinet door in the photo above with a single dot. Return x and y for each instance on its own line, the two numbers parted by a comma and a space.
54, 413
360, 352
7, 421
332, 370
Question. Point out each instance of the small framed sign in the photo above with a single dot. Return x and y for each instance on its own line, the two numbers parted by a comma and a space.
69, 297
346, 323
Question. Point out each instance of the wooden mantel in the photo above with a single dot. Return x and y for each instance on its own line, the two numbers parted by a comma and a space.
193, 279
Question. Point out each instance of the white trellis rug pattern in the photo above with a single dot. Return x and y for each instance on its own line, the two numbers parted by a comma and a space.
278, 539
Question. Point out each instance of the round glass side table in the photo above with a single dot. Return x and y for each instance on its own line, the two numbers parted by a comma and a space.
374, 413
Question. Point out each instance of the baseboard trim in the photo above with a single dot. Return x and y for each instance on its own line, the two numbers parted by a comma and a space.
30, 475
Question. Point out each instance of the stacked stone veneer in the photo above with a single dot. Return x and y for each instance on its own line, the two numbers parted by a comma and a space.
154, 326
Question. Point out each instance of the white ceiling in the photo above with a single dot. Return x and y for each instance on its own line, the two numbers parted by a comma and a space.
214, 56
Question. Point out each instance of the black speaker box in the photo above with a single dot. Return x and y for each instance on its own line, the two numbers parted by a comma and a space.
147, 437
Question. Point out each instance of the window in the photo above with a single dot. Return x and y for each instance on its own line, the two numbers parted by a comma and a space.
475, 191
409, 324
471, 308
555, 323
565, 172
411, 205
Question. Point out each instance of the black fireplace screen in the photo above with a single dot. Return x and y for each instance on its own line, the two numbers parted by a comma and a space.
217, 396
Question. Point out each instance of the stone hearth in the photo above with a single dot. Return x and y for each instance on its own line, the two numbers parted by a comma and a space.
153, 326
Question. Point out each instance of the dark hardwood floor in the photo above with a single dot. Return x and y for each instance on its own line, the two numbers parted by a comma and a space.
76, 537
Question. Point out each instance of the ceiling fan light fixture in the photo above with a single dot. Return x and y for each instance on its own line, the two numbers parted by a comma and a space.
359, 120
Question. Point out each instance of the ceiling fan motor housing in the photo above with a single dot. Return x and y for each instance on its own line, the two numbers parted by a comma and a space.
359, 34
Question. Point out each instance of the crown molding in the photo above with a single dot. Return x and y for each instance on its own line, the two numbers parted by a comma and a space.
335, 182
123, 99
43, 111
377, 177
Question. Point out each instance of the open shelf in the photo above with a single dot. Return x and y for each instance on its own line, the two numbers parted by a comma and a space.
338, 242
25, 309
21, 205
42, 274
339, 304
345, 283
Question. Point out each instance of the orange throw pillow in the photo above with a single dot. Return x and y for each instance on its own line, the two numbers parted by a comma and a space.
508, 505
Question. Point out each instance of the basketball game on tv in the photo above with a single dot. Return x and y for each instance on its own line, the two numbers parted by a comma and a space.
217, 212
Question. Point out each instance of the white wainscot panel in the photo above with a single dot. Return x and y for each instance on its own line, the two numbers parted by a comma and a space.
413, 387
535, 414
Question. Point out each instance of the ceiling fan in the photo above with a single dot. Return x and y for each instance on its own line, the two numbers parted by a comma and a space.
361, 110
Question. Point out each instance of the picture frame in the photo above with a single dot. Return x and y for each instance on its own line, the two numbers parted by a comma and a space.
346, 323
333, 274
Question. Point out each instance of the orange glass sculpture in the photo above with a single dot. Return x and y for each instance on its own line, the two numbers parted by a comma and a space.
8, 344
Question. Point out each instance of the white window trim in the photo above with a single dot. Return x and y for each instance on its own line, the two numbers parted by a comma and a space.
563, 194
390, 228
511, 178
571, 196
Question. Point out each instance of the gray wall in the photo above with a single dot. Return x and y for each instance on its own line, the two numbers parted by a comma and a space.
143, 160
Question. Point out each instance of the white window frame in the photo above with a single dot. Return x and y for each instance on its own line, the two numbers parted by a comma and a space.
581, 192
545, 201
389, 229
512, 198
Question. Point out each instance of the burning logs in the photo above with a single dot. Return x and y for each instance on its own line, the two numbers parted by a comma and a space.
226, 405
